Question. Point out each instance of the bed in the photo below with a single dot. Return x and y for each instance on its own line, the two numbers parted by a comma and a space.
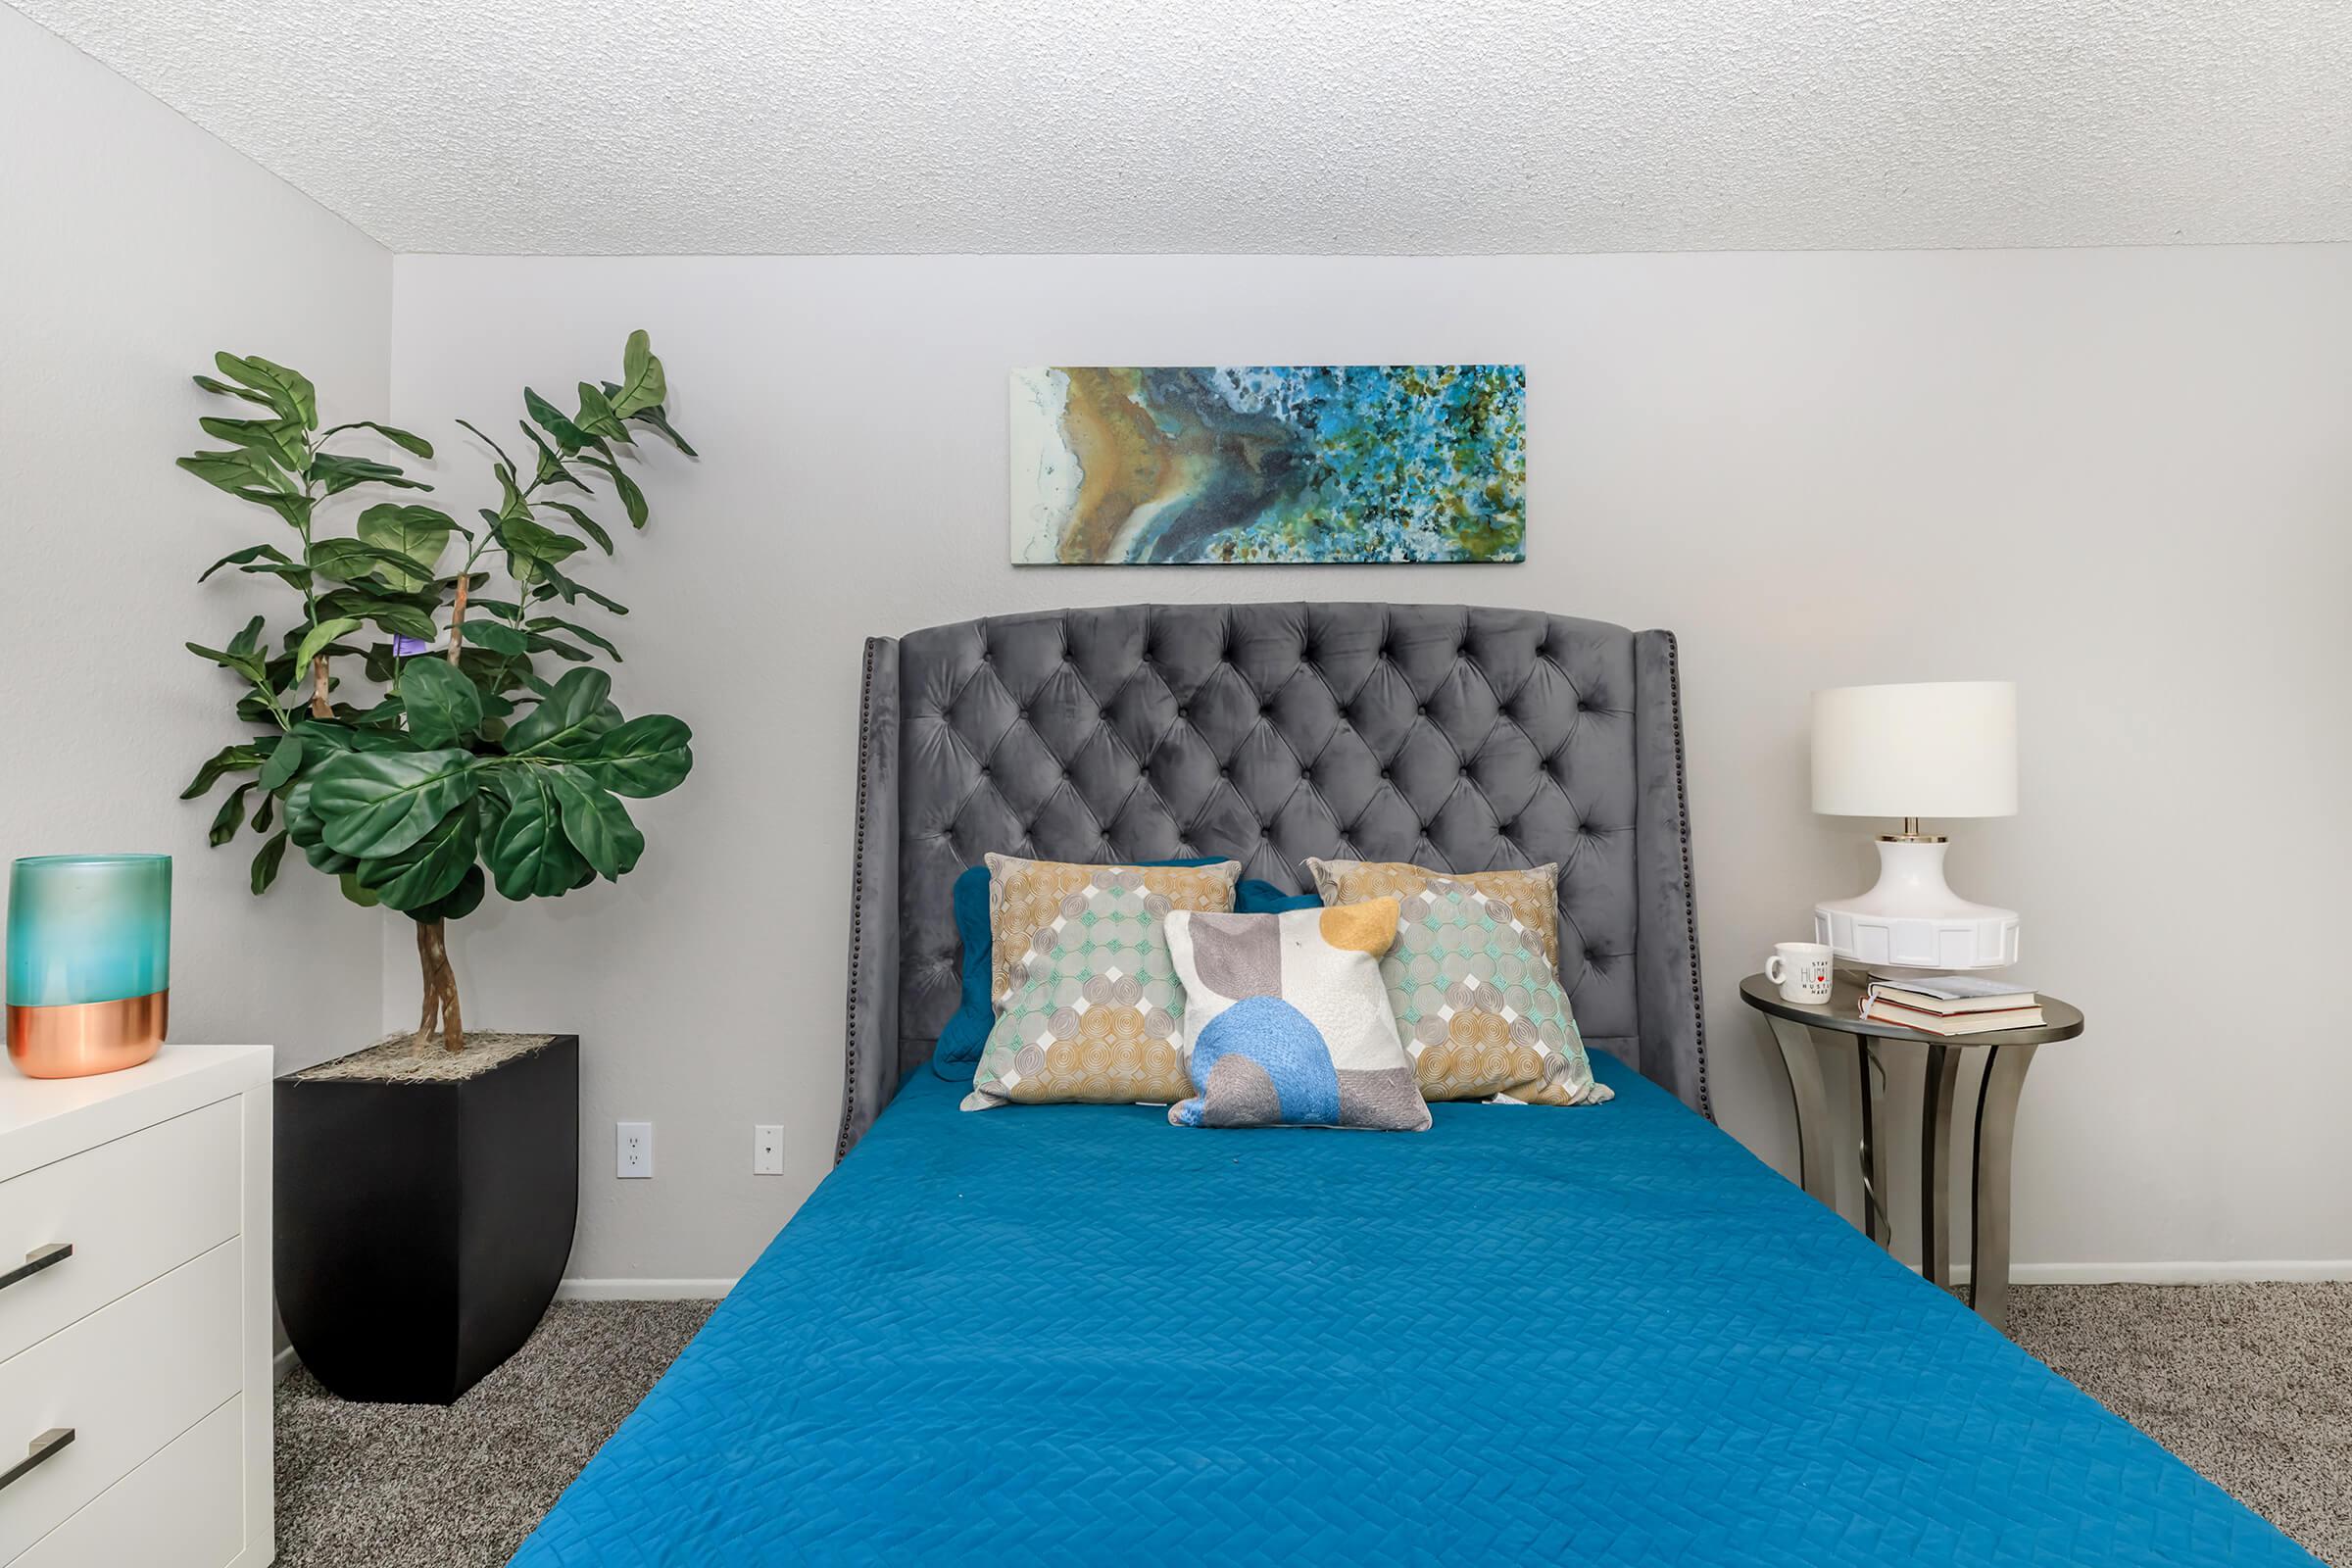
1606, 1335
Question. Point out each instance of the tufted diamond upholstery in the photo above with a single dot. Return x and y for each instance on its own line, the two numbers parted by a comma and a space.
1468, 739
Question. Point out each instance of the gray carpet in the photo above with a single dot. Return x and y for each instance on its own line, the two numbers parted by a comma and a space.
2251, 1384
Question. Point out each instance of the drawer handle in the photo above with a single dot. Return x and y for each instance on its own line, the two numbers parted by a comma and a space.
39, 1258
39, 1450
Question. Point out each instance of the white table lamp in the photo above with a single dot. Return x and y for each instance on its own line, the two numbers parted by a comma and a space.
1933, 749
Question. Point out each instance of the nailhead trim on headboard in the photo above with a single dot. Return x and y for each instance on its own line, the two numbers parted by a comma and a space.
865, 700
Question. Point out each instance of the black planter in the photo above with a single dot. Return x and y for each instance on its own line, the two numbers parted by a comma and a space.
423, 1227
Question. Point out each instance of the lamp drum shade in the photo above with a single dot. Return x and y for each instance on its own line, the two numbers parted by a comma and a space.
1932, 749
89, 961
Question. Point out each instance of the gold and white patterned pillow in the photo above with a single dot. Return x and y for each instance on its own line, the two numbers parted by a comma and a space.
1478, 1006
1087, 1000
1532, 895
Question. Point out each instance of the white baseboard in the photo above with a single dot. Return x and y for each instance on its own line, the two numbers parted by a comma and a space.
284, 1363
643, 1289
2189, 1273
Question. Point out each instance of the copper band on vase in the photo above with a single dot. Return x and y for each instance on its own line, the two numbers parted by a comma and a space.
78, 1038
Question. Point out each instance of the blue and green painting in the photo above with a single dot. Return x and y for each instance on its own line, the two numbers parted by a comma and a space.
1136, 466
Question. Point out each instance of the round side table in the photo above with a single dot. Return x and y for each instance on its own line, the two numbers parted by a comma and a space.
1797, 1028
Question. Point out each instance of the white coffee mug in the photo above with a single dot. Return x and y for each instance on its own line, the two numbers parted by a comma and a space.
1802, 970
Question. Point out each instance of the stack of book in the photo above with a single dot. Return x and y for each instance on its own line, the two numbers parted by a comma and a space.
1949, 1004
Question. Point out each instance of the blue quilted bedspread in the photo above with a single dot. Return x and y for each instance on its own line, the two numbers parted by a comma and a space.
1606, 1335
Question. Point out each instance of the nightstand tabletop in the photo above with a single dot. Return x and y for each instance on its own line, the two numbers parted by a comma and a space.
1842, 1012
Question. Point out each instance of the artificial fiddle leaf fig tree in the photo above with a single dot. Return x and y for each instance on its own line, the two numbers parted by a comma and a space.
407, 733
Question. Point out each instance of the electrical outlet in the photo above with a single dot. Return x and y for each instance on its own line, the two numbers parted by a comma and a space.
768, 1150
636, 1153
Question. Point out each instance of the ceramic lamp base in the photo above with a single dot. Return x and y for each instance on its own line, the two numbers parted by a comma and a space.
83, 1038
1912, 919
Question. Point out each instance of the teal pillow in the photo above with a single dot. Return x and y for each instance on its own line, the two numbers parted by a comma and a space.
957, 1055
1254, 897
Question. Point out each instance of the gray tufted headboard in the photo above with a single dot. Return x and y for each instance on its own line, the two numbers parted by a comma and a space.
1462, 738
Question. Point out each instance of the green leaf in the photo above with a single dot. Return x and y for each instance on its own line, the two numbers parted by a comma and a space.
339, 473
497, 636
282, 441
551, 468
416, 445
444, 707
585, 522
432, 868
225, 390
318, 636
529, 854
643, 758
417, 533
544, 622
632, 499
286, 391
483, 436
251, 665
239, 758
243, 474
285, 760
305, 828
247, 555
596, 823
528, 539
542, 643
641, 381
376, 803
463, 899
564, 588
658, 419
569, 436
572, 714
263, 812
354, 560
248, 640
403, 618
595, 415
265, 861
230, 817
365, 897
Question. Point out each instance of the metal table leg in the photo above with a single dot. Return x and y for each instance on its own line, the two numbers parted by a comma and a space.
1875, 1223
1815, 1173
1996, 1137
1937, 1095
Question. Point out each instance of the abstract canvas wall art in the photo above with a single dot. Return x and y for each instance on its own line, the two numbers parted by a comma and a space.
1142, 466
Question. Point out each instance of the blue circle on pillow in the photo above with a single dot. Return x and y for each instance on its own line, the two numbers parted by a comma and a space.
1286, 1043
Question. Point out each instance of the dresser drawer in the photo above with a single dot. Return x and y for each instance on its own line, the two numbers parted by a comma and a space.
127, 1378
184, 1508
131, 1209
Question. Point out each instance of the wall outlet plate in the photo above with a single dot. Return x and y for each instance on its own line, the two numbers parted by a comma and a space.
635, 1154
768, 1150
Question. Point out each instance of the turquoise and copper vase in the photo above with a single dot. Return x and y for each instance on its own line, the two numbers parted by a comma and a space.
89, 961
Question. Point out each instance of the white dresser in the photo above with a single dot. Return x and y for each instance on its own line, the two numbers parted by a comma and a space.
149, 1341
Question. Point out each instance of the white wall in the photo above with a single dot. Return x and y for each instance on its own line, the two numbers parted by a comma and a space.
2120, 476
136, 246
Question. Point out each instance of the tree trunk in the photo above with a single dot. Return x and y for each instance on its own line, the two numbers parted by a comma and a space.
440, 988
321, 707
456, 614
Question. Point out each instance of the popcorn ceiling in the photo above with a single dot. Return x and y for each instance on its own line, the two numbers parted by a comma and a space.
1314, 127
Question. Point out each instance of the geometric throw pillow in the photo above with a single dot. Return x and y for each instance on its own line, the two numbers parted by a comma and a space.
962, 1035
1533, 895
1478, 1008
1087, 993
1286, 1022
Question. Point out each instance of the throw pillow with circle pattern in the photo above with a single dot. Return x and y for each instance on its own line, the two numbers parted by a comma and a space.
1090, 1004
1477, 1005
1285, 1023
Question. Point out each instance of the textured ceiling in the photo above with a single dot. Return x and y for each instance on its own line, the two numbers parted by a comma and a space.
1259, 126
